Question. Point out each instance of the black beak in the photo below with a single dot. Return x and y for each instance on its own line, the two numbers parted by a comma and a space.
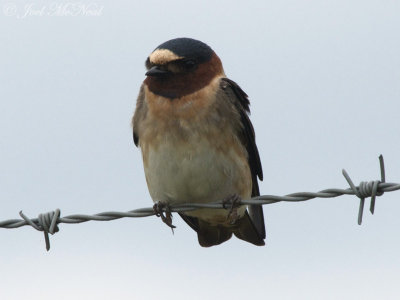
157, 72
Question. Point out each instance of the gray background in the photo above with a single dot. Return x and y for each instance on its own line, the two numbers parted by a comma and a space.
323, 80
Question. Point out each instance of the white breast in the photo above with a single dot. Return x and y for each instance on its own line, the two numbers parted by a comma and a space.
191, 172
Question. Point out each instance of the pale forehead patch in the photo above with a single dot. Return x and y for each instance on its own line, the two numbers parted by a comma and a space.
163, 56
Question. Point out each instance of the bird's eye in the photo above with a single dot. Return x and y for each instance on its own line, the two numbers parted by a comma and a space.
189, 64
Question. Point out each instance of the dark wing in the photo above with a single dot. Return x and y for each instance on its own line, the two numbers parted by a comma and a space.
241, 102
140, 113
135, 138
251, 227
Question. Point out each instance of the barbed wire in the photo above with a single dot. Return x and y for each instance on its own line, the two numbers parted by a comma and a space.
48, 222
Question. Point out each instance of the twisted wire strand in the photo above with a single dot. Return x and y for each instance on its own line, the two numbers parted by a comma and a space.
48, 222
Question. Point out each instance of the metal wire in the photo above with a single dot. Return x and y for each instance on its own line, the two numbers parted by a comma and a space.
48, 222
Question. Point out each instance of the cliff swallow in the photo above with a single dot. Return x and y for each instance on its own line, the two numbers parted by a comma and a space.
197, 141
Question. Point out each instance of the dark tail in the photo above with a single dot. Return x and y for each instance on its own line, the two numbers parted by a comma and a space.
246, 230
209, 235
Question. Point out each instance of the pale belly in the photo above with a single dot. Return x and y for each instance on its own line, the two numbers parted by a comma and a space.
196, 172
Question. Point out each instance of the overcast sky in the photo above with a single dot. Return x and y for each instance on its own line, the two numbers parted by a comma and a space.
323, 80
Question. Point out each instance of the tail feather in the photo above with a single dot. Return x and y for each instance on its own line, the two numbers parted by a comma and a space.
257, 218
245, 230
211, 235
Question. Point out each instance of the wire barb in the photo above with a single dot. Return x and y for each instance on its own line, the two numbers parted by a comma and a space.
48, 222
375, 187
367, 189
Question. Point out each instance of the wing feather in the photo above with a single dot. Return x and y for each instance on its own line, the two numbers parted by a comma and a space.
240, 100
139, 114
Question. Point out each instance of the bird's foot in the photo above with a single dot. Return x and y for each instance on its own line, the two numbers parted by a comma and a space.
166, 216
233, 202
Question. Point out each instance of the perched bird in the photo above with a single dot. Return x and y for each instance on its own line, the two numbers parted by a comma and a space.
197, 141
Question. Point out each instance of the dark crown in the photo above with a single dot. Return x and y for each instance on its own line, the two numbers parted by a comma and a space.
188, 48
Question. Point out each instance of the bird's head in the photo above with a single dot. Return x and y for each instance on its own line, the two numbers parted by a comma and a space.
180, 67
